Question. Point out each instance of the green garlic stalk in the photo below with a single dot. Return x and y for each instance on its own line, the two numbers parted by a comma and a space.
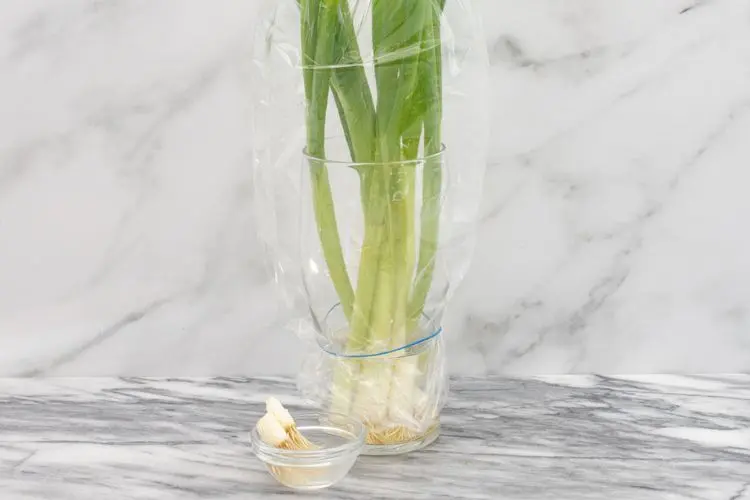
395, 271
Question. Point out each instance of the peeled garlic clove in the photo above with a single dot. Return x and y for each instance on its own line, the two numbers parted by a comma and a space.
275, 408
270, 430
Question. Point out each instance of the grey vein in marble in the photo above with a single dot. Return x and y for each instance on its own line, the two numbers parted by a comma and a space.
566, 437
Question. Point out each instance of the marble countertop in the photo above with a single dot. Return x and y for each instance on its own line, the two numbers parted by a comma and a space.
566, 437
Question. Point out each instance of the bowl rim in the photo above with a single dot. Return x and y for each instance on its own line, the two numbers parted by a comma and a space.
264, 451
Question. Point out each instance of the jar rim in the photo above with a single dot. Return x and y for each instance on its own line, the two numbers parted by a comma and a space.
349, 163
372, 60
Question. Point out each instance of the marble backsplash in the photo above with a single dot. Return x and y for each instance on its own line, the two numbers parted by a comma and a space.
613, 236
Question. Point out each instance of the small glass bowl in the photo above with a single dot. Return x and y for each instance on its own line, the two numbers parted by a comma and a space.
340, 439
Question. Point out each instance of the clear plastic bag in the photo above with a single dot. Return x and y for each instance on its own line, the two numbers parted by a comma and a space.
398, 395
371, 125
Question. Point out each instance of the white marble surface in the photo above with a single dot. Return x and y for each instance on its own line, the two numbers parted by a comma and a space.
613, 238
565, 438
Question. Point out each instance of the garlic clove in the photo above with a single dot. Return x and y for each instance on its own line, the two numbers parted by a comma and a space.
270, 430
275, 408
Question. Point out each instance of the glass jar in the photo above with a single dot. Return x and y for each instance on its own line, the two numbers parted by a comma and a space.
370, 150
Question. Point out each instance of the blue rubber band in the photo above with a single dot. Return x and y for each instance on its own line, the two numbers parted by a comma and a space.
385, 353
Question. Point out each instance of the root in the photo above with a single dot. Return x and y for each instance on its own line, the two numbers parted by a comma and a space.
399, 434
296, 441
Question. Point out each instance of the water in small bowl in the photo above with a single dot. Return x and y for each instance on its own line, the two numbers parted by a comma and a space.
338, 441
327, 437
